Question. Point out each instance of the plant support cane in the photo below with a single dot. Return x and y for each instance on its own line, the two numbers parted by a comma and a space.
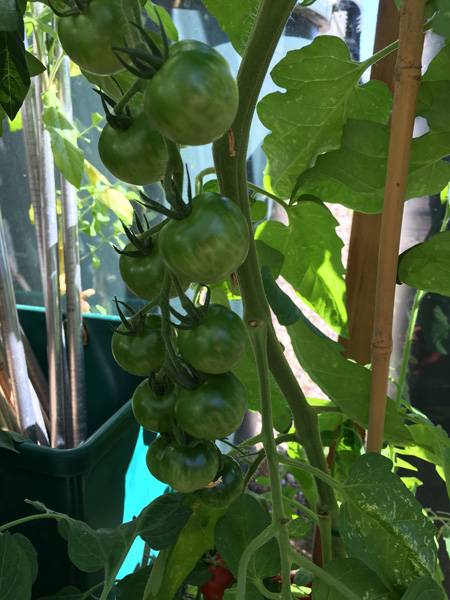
408, 69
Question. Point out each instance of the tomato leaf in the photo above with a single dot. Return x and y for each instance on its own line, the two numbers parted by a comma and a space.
383, 525
17, 570
14, 76
152, 10
35, 67
365, 147
357, 576
64, 140
66, 593
161, 522
322, 87
236, 18
9, 440
312, 259
426, 266
244, 520
424, 588
133, 585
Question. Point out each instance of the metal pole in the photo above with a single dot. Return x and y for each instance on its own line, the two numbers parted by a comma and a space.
73, 286
25, 400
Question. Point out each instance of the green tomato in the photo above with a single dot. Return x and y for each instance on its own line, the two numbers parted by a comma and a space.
142, 352
212, 410
88, 38
190, 468
143, 274
185, 468
228, 486
137, 154
155, 456
217, 343
153, 411
208, 244
193, 99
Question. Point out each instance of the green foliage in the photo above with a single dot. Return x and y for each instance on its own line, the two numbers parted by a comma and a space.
365, 146
18, 566
387, 531
426, 266
244, 520
312, 259
424, 588
359, 578
322, 92
236, 17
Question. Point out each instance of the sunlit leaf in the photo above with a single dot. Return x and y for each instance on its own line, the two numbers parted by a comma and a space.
236, 17
110, 196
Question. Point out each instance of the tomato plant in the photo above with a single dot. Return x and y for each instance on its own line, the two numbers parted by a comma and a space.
316, 475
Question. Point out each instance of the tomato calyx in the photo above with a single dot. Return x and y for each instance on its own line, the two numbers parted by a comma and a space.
117, 121
141, 241
132, 325
179, 209
145, 62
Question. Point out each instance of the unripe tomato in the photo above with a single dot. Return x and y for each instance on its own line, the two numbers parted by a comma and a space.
153, 411
217, 343
143, 274
142, 352
193, 98
228, 486
137, 154
212, 410
208, 244
88, 38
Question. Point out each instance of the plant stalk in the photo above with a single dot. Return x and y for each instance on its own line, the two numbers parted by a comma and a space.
231, 171
408, 70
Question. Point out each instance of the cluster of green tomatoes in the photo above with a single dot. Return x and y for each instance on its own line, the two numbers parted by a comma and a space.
190, 395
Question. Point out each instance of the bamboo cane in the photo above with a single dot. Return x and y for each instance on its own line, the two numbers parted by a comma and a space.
25, 401
365, 234
73, 287
408, 70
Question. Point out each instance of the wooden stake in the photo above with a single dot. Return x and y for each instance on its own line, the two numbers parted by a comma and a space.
408, 71
365, 234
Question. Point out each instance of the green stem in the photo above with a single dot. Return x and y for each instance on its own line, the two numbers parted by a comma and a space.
303, 509
264, 192
320, 573
392, 47
325, 527
404, 367
262, 538
258, 336
418, 297
264, 591
304, 466
201, 176
231, 170
129, 94
23, 520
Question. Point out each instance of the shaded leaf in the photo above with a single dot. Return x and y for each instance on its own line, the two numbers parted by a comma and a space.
9, 440
14, 77
236, 18
357, 576
321, 81
387, 531
34, 65
365, 147
132, 586
30, 552
426, 266
16, 570
66, 593
161, 522
424, 589
244, 520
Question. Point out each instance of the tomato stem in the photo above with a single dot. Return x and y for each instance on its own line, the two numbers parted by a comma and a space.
232, 176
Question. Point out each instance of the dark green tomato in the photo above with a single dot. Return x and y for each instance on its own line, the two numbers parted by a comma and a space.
136, 155
155, 458
154, 412
193, 98
212, 410
217, 343
140, 353
228, 486
209, 244
190, 468
88, 38
143, 275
